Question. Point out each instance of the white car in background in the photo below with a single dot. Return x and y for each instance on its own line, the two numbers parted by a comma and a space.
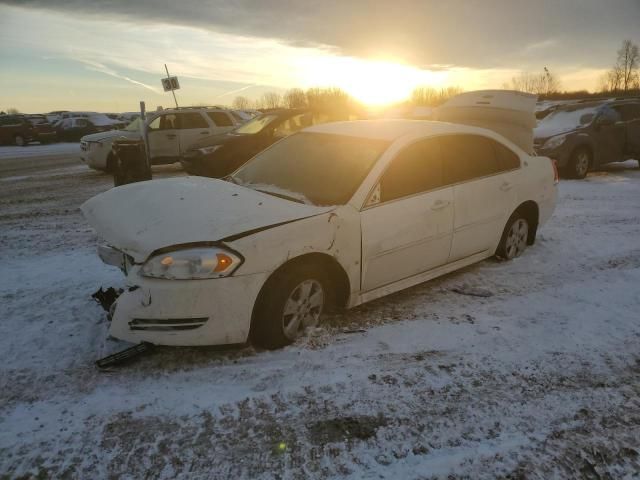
333, 216
171, 133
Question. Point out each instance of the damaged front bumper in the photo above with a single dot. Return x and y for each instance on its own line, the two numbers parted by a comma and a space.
186, 312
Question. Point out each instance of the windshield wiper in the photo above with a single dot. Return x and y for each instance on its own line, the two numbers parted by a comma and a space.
281, 195
230, 178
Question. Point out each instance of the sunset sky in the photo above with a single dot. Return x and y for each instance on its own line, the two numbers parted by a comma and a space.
108, 55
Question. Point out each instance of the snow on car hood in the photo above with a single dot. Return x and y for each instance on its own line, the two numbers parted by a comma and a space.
98, 137
143, 217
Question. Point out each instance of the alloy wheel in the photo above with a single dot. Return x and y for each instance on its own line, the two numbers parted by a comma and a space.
517, 238
303, 308
582, 164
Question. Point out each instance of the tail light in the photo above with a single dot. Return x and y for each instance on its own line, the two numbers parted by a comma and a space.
556, 176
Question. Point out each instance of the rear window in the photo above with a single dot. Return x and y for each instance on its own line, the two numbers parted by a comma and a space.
467, 157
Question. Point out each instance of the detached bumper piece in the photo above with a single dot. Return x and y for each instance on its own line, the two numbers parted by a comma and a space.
124, 355
167, 325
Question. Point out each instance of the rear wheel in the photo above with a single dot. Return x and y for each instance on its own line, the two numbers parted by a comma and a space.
514, 238
292, 301
579, 163
19, 140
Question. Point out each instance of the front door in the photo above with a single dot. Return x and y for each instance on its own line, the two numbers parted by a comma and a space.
610, 134
164, 141
407, 222
630, 113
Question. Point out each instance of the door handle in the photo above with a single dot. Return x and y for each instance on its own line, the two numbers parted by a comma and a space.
506, 186
171, 135
439, 204
204, 133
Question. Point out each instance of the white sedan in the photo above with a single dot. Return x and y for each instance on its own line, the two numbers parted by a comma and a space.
334, 216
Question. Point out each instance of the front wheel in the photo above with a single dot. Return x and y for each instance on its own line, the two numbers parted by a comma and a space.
19, 141
514, 238
579, 163
290, 303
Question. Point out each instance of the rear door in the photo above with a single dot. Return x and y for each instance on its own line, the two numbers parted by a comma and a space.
222, 122
408, 220
164, 144
484, 178
192, 126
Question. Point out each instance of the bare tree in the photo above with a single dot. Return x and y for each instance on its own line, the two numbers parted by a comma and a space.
544, 83
430, 97
270, 100
332, 101
241, 103
12, 111
295, 98
610, 82
627, 65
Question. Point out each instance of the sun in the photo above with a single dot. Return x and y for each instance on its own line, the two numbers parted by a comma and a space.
373, 82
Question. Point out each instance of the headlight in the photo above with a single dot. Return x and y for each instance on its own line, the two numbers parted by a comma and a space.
192, 264
554, 142
209, 150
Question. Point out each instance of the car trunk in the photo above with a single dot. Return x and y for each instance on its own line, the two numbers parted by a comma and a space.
508, 113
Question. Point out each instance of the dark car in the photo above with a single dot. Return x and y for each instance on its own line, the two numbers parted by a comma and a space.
73, 129
586, 135
44, 131
219, 155
16, 130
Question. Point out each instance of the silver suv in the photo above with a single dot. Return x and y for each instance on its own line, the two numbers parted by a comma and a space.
171, 133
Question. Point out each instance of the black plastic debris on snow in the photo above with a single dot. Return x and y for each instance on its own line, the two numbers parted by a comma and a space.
124, 356
106, 297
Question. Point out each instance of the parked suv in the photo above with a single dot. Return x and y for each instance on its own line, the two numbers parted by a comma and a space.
171, 133
16, 130
585, 135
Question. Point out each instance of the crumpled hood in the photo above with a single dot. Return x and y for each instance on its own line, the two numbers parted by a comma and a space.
98, 137
143, 217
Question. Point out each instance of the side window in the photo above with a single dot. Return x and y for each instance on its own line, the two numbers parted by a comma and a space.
220, 119
417, 168
168, 121
466, 157
507, 160
80, 122
155, 124
192, 120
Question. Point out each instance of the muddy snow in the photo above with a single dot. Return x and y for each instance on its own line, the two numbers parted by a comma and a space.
525, 369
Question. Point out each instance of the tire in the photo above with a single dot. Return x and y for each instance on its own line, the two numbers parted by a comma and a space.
289, 302
19, 141
579, 163
514, 237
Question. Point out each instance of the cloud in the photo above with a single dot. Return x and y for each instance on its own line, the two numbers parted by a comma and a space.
98, 67
469, 33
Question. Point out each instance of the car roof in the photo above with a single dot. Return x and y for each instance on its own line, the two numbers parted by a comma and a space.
392, 129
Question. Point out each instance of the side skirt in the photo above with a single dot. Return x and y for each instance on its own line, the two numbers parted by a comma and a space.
363, 297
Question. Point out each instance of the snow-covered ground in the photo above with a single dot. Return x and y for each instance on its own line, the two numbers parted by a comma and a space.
38, 150
539, 380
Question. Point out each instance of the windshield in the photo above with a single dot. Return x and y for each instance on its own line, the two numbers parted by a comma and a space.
256, 125
134, 126
570, 118
318, 168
